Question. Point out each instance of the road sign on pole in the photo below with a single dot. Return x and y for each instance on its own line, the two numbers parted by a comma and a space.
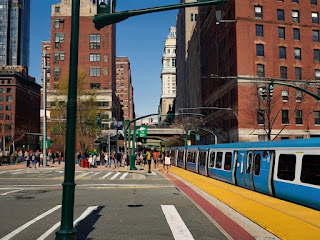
143, 132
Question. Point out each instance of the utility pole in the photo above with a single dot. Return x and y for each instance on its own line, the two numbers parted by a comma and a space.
44, 90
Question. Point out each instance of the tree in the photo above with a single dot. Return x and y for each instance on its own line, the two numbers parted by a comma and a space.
87, 111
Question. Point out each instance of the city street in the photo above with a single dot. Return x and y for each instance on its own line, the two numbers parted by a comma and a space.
108, 205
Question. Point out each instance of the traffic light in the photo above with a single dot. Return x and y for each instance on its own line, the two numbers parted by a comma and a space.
106, 6
271, 89
98, 120
263, 93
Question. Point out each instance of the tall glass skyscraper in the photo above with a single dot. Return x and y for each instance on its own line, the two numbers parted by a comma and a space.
14, 32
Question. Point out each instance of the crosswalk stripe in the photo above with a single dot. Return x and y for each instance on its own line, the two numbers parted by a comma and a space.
109, 173
6, 193
24, 226
116, 175
82, 175
176, 224
79, 219
123, 176
95, 174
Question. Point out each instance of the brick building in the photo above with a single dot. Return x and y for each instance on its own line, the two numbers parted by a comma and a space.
19, 107
96, 58
269, 40
124, 89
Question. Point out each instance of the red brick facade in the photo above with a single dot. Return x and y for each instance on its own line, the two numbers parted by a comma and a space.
239, 49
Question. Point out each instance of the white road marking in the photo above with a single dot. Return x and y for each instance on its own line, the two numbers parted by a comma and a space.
82, 175
24, 226
95, 174
116, 175
123, 176
79, 219
109, 173
11, 171
6, 193
176, 224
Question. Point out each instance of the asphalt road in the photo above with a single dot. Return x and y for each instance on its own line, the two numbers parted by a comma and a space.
112, 205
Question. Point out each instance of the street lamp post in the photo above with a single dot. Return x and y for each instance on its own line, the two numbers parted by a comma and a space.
44, 139
67, 231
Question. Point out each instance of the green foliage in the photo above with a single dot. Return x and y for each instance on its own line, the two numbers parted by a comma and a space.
87, 111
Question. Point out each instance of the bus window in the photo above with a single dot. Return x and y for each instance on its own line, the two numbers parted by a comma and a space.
287, 166
219, 160
211, 159
249, 162
227, 161
257, 163
310, 172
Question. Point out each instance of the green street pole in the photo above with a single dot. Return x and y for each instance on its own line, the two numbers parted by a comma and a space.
67, 231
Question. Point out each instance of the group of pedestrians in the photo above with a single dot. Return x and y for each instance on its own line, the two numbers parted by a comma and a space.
36, 158
148, 155
89, 160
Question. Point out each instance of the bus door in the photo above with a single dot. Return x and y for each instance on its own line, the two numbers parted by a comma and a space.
247, 169
260, 170
240, 168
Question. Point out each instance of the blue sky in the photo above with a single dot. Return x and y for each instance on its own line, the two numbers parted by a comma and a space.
141, 38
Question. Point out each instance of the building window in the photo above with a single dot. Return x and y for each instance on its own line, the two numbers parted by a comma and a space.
56, 73
195, 17
258, 12
260, 51
296, 34
317, 74
1, 90
297, 53
1, 107
285, 95
298, 73
94, 71
58, 56
1, 98
281, 32
295, 1
9, 90
94, 41
295, 16
285, 116
57, 23
298, 95
95, 85
283, 72
9, 98
259, 30
314, 2
316, 55
57, 9
280, 14
191, 17
173, 62
94, 57
282, 52
59, 38
315, 35
8, 107
317, 117
261, 116
260, 70
299, 116
315, 17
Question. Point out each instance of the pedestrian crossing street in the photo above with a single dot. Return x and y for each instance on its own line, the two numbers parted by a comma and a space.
79, 175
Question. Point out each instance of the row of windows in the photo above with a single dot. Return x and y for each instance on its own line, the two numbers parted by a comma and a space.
8, 107
286, 118
282, 52
312, 2
283, 72
3, 90
295, 15
310, 167
94, 40
8, 98
282, 33
5, 117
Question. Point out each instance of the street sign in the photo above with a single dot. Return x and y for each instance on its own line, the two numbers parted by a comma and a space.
143, 132
189, 142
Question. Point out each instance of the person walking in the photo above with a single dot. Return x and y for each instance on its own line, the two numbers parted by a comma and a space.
167, 162
49, 155
41, 159
37, 155
113, 157
27, 158
33, 158
59, 157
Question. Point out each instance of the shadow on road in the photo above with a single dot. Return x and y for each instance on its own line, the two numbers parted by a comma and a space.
86, 225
